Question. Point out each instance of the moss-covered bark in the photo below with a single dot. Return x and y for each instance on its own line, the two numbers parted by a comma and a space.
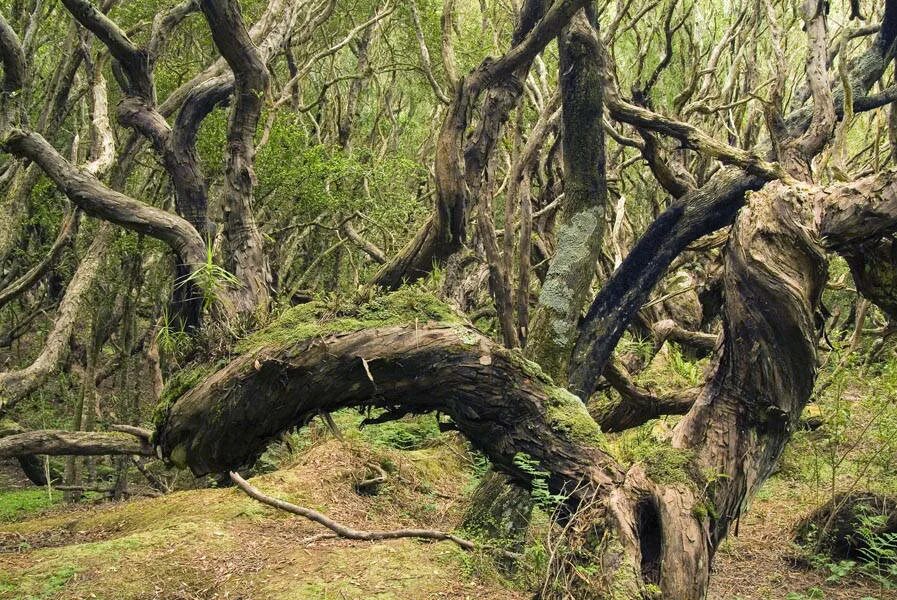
581, 227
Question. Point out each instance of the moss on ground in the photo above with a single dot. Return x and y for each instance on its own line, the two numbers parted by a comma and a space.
19, 504
218, 542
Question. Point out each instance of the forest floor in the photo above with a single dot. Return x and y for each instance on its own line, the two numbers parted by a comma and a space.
762, 562
218, 543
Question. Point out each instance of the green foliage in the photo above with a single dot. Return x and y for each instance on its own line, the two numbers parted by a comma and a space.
661, 462
686, 369
210, 279
543, 497
172, 340
50, 586
879, 551
409, 433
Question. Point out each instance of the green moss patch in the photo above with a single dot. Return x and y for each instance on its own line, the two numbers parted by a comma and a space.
19, 504
410, 304
568, 414
221, 543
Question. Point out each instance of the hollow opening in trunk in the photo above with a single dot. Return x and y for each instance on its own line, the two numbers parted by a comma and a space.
650, 537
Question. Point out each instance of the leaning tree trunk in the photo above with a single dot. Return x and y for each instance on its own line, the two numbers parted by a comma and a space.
736, 431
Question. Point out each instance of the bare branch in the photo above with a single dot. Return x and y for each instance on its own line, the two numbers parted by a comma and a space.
426, 65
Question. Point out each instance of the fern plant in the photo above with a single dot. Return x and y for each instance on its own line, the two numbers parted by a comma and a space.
879, 551
542, 496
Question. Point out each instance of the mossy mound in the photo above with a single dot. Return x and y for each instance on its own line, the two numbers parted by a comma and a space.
220, 543
846, 525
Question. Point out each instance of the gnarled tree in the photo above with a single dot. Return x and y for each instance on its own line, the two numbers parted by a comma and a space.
776, 179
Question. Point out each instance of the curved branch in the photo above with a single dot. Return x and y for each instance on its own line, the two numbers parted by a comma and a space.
132, 59
496, 398
164, 23
638, 405
15, 385
97, 200
245, 247
691, 137
367, 247
527, 45
696, 214
348, 532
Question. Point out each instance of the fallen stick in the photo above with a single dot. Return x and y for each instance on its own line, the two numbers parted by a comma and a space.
356, 534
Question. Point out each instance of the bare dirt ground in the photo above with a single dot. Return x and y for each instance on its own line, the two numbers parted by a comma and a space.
762, 563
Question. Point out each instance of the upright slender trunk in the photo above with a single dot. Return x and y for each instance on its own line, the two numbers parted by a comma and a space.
553, 330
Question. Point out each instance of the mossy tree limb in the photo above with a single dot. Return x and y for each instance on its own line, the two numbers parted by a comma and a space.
228, 419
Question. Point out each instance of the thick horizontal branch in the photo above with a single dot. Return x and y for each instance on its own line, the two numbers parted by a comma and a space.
858, 212
668, 329
72, 443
